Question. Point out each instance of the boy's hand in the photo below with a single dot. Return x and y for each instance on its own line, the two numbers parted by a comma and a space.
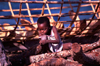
42, 42
38, 49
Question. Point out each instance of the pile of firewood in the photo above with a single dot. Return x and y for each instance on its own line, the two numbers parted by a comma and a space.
79, 55
87, 54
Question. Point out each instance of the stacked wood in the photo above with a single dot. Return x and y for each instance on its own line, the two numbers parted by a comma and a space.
84, 58
37, 58
78, 53
46, 59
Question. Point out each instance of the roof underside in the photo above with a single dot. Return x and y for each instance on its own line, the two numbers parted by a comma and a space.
57, 11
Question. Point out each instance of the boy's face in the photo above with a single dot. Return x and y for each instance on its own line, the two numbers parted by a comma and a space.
42, 28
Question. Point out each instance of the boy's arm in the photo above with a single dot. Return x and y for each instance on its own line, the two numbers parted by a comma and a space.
56, 35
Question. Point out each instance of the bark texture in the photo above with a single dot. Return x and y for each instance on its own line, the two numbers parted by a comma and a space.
85, 58
55, 62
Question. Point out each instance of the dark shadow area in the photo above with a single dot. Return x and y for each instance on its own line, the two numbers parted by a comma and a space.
81, 40
18, 56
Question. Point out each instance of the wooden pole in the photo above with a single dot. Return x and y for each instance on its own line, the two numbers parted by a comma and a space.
9, 3
93, 9
75, 16
70, 5
31, 19
11, 8
60, 11
43, 8
91, 18
5, 10
53, 2
18, 18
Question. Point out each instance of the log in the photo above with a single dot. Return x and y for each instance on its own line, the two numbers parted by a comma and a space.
87, 47
55, 62
96, 50
84, 58
65, 53
40, 57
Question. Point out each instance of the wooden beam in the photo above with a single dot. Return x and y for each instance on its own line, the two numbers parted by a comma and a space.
60, 11
53, 2
29, 13
91, 18
48, 8
38, 15
75, 16
93, 8
18, 18
6, 10
43, 8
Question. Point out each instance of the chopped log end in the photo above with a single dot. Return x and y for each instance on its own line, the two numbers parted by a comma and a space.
84, 58
76, 47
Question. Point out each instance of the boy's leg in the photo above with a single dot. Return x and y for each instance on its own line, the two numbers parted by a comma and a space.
67, 46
